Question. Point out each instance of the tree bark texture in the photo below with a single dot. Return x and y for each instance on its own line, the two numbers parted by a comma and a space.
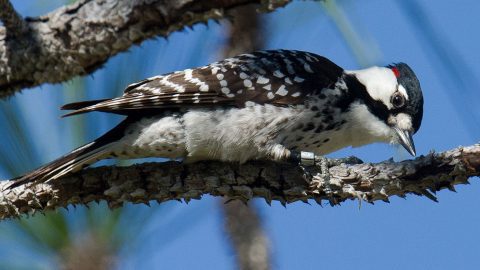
285, 183
79, 38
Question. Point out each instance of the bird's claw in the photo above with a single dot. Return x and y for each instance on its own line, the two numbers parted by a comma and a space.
325, 175
308, 159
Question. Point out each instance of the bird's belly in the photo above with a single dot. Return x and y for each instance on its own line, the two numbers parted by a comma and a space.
235, 134
153, 137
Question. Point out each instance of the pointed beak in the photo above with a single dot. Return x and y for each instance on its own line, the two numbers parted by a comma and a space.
405, 139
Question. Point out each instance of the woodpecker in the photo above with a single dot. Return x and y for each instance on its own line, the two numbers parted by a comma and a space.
262, 105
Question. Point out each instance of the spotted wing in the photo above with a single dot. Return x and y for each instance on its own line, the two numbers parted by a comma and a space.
277, 77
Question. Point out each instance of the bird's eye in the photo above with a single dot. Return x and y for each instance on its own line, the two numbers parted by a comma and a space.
398, 100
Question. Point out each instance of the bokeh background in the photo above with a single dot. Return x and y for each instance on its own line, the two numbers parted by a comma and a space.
439, 39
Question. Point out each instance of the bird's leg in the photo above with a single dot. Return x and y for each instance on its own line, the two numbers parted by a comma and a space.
303, 159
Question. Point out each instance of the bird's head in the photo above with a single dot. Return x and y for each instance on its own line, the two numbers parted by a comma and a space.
394, 96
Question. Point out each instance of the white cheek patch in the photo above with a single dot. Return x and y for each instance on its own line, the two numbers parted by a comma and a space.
380, 82
367, 127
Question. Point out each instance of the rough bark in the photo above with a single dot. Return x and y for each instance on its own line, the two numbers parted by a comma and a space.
79, 38
14, 24
285, 183
242, 221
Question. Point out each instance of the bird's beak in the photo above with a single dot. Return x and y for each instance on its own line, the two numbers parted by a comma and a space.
405, 139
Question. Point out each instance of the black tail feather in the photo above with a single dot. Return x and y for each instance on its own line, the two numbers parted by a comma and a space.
81, 104
80, 107
65, 164
75, 160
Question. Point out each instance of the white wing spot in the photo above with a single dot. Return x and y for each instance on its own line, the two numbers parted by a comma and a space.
248, 55
282, 91
311, 57
175, 86
188, 74
278, 73
270, 95
265, 61
307, 67
226, 90
223, 83
298, 79
204, 88
215, 70
249, 103
220, 76
289, 63
243, 75
262, 80
268, 87
230, 95
296, 94
189, 78
247, 83
290, 69
287, 80
153, 90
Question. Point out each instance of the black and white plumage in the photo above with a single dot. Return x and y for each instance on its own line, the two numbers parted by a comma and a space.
262, 105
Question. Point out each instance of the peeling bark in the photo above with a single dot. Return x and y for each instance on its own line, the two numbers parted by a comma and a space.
79, 38
285, 183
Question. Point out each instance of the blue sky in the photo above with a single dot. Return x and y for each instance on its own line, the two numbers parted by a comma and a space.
415, 233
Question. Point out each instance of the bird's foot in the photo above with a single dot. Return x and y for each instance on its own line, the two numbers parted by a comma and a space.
309, 159
348, 160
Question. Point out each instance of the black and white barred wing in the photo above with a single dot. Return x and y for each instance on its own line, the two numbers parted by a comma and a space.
275, 77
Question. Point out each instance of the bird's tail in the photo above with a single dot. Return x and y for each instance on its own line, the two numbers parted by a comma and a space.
75, 160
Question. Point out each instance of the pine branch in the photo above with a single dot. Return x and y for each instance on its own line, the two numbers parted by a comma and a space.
161, 182
79, 38
14, 24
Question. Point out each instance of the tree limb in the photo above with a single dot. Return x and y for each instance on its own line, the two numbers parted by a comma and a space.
14, 24
272, 181
79, 38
